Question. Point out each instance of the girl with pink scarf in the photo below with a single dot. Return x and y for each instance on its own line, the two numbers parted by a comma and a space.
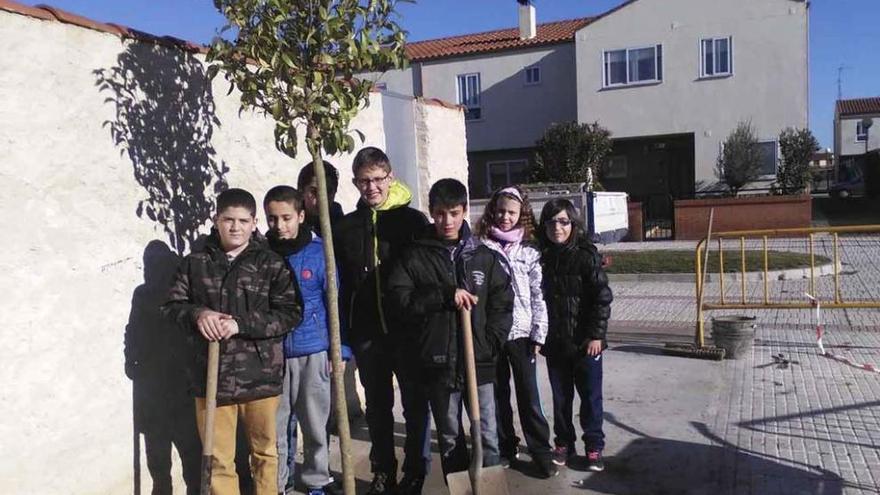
507, 227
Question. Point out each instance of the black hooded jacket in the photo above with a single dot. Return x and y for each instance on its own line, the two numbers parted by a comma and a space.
421, 291
359, 241
578, 297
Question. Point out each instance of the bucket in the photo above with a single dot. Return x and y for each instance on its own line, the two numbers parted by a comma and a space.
735, 334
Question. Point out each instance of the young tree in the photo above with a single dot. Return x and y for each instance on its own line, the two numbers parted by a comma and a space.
571, 152
740, 159
797, 147
297, 61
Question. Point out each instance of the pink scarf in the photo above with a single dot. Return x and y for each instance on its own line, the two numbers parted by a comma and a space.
512, 235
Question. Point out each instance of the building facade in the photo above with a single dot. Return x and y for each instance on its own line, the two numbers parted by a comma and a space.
669, 78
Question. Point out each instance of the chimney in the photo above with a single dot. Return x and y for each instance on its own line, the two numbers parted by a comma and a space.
527, 28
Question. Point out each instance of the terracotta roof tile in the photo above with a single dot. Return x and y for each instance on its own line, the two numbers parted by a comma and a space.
77, 20
858, 106
10, 6
503, 39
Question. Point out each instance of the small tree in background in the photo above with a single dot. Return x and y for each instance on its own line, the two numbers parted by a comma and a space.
740, 159
296, 61
571, 152
797, 147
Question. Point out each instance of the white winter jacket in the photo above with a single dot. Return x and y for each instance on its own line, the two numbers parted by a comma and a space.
529, 308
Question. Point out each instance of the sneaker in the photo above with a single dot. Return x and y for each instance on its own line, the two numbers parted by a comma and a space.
507, 458
410, 485
594, 461
382, 484
546, 467
332, 488
561, 455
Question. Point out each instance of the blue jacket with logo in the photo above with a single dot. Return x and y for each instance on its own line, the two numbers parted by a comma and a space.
312, 335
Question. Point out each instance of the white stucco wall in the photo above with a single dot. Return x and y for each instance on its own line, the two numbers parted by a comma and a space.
400, 124
769, 85
396, 81
440, 153
514, 115
847, 135
76, 240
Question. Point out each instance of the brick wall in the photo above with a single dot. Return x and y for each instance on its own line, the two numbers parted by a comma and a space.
743, 213
636, 228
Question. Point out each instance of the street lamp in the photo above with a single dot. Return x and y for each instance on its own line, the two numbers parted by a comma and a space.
867, 122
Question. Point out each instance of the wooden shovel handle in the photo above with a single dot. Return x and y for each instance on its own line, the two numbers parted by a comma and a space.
473, 397
210, 411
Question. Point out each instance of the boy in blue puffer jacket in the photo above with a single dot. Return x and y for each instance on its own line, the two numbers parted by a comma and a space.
306, 397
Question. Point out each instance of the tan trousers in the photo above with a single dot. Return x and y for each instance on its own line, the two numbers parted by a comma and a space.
258, 417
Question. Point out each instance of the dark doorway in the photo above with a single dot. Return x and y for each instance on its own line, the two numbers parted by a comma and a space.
654, 171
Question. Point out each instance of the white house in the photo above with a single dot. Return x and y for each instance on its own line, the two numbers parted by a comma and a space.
669, 78
856, 127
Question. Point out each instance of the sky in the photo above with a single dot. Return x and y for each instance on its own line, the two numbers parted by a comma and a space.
843, 33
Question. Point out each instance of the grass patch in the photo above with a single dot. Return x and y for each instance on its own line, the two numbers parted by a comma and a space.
661, 261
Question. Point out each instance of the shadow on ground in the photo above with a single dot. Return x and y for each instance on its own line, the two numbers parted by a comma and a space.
651, 465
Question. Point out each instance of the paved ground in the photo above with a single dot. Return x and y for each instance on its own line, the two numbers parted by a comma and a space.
677, 425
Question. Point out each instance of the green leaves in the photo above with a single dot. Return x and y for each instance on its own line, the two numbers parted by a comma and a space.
739, 161
797, 147
569, 151
300, 60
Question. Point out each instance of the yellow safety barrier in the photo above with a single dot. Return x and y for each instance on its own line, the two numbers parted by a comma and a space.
809, 235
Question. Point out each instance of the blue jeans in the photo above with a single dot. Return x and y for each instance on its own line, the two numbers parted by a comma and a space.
446, 406
583, 373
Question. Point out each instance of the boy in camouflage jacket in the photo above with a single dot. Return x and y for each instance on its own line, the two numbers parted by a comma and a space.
237, 291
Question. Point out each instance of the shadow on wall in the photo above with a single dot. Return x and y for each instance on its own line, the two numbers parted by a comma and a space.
164, 122
155, 361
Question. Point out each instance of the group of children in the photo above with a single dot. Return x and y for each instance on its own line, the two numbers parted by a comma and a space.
531, 287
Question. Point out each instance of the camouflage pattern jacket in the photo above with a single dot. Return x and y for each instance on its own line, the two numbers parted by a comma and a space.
257, 289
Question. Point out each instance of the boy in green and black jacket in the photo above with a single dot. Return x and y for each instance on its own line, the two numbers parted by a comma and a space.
237, 291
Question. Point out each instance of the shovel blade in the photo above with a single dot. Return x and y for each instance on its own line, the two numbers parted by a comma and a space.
493, 481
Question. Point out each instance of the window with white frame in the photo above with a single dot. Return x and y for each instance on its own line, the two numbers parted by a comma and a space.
506, 173
615, 168
633, 66
469, 95
861, 132
769, 157
716, 57
533, 74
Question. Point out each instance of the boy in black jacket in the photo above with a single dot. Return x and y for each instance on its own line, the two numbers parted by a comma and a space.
368, 241
445, 270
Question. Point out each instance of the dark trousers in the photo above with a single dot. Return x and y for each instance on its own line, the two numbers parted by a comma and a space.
583, 373
517, 356
378, 362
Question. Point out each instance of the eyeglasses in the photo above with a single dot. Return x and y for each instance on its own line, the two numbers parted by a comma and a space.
365, 183
563, 222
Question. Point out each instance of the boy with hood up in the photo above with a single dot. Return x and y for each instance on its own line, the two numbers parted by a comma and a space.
367, 241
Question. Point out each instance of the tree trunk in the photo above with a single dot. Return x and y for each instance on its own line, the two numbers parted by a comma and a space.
348, 484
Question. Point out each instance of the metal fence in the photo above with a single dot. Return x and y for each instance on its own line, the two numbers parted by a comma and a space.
805, 240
